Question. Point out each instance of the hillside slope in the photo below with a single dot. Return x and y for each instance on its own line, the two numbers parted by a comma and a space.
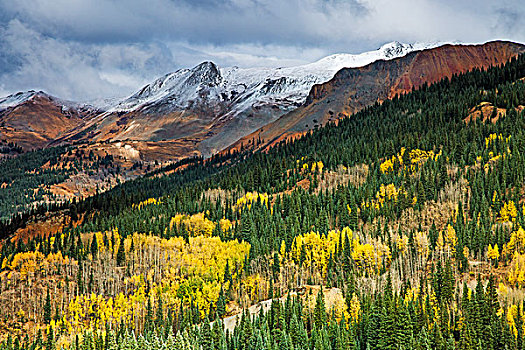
353, 89
34, 119
213, 106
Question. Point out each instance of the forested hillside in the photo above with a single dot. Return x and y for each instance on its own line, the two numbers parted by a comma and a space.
401, 227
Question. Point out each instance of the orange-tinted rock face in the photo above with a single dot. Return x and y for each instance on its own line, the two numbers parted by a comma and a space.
352, 89
37, 121
432, 65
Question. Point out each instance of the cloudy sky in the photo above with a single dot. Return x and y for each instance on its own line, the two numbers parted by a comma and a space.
89, 49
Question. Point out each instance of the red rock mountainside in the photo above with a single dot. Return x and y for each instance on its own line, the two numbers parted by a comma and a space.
352, 89
38, 120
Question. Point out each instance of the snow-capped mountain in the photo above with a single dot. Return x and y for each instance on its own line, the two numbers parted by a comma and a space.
22, 97
216, 106
207, 108
242, 88
16, 99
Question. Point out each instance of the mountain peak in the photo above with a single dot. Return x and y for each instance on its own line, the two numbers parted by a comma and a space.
206, 73
19, 97
206, 65
395, 49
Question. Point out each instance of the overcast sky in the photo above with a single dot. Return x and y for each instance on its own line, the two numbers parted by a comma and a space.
88, 49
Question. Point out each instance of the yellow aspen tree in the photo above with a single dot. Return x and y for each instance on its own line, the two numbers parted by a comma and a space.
402, 244
354, 308
493, 253
451, 239
508, 212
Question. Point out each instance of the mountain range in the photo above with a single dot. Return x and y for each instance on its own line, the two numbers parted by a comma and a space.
205, 109
207, 105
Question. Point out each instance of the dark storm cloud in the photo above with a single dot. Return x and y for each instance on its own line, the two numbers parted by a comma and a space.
218, 22
86, 49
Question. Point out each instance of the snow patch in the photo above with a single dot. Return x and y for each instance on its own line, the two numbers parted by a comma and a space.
16, 99
21, 97
243, 88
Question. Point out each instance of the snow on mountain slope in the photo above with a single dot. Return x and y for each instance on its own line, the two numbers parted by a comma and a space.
16, 99
21, 97
242, 88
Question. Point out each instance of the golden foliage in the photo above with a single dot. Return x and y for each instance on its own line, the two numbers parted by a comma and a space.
386, 194
30, 262
451, 239
196, 224
422, 244
316, 248
496, 137
225, 225
508, 212
466, 252
334, 304
493, 253
503, 289
402, 244
149, 201
249, 198
317, 165
313, 167
447, 241
516, 243
416, 158
387, 166
500, 149
188, 271
100, 241
516, 274
371, 258
354, 308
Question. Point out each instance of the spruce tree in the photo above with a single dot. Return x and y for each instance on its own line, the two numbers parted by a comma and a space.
221, 304
320, 310
94, 246
47, 308
121, 254
276, 267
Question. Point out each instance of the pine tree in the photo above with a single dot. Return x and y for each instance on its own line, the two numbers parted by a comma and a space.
320, 310
276, 267
221, 304
111, 343
491, 297
159, 316
94, 246
227, 274
421, 196
423, 340
50, 340
80, 280
448, 283
148, 321
121, 254
354, 217
465, 340
47, 308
